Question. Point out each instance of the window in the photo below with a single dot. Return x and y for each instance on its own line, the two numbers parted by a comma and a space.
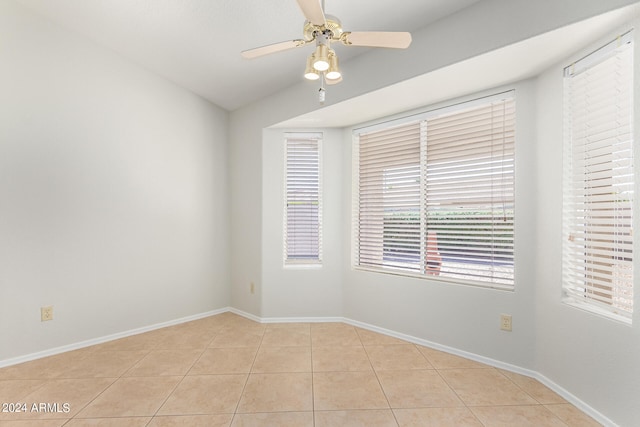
599, 181
303, 210
389, 222
434, 194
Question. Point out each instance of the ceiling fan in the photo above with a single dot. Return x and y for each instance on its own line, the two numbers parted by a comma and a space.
325, 29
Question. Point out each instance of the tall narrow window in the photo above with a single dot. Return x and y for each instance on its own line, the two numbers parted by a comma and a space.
434, 194
303, 198
599, 181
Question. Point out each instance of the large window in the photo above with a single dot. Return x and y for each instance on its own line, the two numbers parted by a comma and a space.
434, 194
303, 198
599, 181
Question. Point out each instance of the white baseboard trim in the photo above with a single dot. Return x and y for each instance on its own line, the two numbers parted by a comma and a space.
575, 401
566, 395
599, 417
107, 338
302, 319
446, 349
245, 314
267, 320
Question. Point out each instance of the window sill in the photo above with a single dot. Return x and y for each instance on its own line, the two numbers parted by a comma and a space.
302, 266
584, 306
453, 281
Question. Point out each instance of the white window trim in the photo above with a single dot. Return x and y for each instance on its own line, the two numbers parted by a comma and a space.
576, 68
421, 116
303, 263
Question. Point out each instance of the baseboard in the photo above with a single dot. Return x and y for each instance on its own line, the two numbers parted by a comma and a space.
107, 338
302, 319
245, 314
599, 417
566, 395
446, 349
267, 320
578, 403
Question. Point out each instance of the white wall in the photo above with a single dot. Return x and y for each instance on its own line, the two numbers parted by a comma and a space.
114, 195
113, 192
547, 337
299, 291
487, 25
597, 359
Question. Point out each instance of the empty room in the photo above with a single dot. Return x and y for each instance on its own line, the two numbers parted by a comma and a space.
319, 213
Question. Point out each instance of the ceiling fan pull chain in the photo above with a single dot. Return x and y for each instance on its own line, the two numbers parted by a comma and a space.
321, 92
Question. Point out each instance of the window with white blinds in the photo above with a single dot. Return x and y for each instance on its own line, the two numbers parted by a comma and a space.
434, 194
470, 191
599, 181
390, 224
303, 199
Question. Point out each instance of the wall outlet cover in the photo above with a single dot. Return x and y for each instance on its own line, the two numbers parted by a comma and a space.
505, 322
46, 313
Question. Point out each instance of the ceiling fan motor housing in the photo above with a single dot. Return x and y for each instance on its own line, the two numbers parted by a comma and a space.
332, 29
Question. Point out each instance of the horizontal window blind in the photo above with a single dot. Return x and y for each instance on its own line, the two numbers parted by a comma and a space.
435, 195
470, 192
599, 181
303, 210
389, 223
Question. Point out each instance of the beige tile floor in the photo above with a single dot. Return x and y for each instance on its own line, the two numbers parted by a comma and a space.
226, 370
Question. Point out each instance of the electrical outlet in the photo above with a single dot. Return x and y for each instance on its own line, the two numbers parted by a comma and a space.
252, 288
46, 313
505, 322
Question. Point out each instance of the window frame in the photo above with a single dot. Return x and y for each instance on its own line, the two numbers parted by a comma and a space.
302, 261
572, 295
421, 117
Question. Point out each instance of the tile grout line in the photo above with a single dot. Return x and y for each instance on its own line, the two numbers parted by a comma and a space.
470, 408
533, 397
106, 388
154, 346
313, 396
246, 381
455, 392
364, 347
155, 414
60, 377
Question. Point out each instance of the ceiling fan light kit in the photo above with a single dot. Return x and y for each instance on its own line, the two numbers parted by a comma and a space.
333, 73
310, 73
321, 57
322, 64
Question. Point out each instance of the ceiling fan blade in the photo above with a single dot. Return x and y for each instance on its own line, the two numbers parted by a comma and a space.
272, 48
312, 10
395, 40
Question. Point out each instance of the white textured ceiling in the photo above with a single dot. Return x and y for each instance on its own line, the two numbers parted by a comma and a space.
197, 43
502, 66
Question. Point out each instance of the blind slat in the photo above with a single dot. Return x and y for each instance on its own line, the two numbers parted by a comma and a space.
439, 190
303, 207
599, 181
